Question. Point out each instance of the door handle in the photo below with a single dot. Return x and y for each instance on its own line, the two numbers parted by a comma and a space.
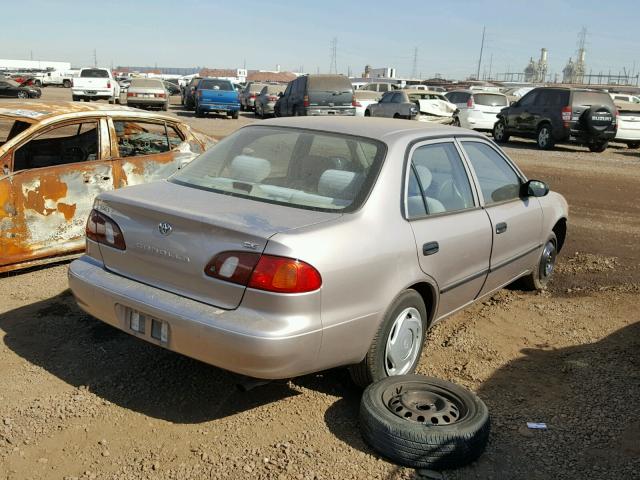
501, 228
430, 248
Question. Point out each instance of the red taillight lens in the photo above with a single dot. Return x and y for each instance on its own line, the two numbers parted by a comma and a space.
266, 272
566, 116
130, 94
104, 230
108, 84
272, 99
284, 275
470, 102
160, 95
354, 102
305, 100
252, 95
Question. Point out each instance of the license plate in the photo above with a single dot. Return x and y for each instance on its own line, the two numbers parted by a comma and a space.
144, 324
147, 95
91, 92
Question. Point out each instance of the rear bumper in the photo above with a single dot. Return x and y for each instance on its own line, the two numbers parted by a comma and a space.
628, 134
477, 120
328, 111
219, 107
242, 340
156, 102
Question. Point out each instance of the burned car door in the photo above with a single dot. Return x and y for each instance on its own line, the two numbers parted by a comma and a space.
49, 191
149, 150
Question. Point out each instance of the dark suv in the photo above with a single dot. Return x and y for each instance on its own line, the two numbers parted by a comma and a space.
189, 93
317, 95
552, 115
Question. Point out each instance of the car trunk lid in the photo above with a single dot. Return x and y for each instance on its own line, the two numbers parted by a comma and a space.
169, 243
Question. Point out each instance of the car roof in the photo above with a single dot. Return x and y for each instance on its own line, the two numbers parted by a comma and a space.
44, 110
388, 130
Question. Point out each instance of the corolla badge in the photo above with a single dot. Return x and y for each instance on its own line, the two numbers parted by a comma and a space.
165, 228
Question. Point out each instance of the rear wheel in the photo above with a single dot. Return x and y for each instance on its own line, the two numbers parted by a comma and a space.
23, 94
75, 98
633, 145
397, 346
367, 113
66, 84
598, 147
234, 115
397, 115
199, 113
545, 137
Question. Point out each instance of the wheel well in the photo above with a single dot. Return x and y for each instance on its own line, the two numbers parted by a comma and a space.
543, 123
427, 293
560, 229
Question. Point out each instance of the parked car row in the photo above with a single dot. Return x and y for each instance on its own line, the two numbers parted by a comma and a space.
9, 88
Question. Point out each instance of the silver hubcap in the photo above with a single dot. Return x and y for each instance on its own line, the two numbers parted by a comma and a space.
403, 344
499, 130
543, 137
548, 260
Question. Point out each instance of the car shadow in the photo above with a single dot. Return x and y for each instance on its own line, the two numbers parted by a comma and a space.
82, 351
580, 392
526, 144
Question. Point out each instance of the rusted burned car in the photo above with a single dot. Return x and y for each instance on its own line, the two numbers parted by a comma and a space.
56, 157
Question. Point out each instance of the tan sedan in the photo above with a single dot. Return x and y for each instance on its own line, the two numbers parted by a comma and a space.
56, 157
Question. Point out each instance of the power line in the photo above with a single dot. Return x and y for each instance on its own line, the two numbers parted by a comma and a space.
333, 66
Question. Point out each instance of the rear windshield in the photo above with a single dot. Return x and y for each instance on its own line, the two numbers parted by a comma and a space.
146, 82
592, 98
9, 128
256, 87
288, 166
94, 73
276, 88
213, 84
328, 83
491, 100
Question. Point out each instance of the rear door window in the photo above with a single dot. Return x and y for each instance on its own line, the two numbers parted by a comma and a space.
137, 138
71, 143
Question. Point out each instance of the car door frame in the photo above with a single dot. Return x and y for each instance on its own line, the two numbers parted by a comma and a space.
22, 252
526, 257
446, 293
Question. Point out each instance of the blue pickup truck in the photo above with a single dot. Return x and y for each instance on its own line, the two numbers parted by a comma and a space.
214, 95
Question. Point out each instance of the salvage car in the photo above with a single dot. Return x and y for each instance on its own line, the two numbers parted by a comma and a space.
148, 93
628, 123
362, 100
266, 100
321, 94
553, 115
413, 105
477, 110
216, 95
249, 94
394, 104
56, 157
298, 245
12, 89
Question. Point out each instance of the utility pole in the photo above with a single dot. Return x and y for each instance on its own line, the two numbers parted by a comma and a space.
333, 66
490, 65
481, 50
95, 58
349, 71
414, 70
31, 54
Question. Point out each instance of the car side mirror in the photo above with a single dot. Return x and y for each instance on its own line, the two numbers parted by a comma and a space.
534, 188
513, 103
280, 94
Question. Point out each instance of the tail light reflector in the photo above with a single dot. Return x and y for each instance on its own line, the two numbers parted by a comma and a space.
102, 229
305, 100
471, 103
160, 95
131, 94
264, 272
566, 116
108, 84
354, 102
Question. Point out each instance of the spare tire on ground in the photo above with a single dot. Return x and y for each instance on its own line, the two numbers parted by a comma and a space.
424, 422
597, 118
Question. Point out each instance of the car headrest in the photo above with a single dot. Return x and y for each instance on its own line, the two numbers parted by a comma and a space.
424, 175
250, 169
339, 184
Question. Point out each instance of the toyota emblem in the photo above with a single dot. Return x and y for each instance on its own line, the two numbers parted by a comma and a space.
165, 228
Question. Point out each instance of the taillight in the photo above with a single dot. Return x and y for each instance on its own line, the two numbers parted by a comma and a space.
108, 84
131, 94
470, 102
354, 102
252, 95
160, 95
617, 118
272, 98
102, 229
566, 115
305, 100
267, 272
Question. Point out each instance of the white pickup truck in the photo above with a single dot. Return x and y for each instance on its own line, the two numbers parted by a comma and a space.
95, 84
55, 77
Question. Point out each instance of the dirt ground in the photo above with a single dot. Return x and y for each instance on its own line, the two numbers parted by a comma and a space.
81, 400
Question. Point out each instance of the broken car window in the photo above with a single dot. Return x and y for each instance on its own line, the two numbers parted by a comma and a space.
144, 138
71, 143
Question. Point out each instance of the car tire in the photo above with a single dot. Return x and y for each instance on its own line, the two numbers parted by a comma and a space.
544, 138
456, 122
397, 116
367, 113
234, 115
598, 147
542, 272
406, 318
633, 145
66, 83
199, 113
75, 98
37, 83
23, 95
499, 133
423, 422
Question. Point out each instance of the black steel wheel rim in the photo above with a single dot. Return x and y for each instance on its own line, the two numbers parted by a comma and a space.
424, 403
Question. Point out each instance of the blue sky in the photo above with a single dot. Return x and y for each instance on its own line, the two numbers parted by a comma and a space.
291, 33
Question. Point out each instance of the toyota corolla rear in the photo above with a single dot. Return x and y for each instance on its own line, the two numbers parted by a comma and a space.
188, 263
